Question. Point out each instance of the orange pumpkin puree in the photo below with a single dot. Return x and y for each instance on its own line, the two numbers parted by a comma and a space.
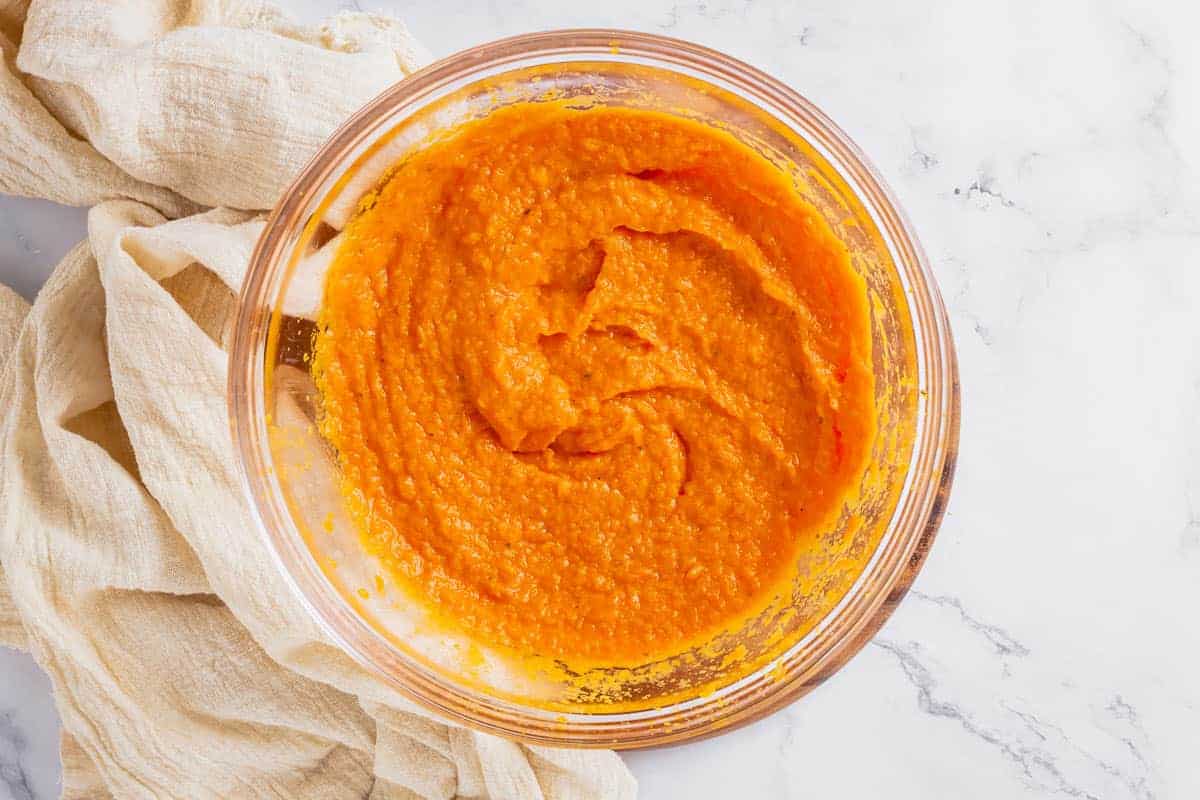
595, 379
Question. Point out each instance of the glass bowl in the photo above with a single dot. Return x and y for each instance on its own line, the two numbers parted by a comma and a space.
839, 597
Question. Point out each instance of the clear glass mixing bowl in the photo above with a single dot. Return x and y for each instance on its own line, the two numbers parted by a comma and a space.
838, 600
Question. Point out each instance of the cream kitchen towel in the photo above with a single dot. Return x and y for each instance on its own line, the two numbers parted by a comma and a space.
182, 665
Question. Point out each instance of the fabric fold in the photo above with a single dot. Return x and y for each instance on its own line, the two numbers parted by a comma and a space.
13, 310
219, 101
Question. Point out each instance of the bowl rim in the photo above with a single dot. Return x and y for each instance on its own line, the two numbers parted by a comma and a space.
919, 508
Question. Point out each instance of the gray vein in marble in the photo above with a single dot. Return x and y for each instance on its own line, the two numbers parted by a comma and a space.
958, 303
12, 767
921, 156
1137, 786
1048, 757
672, 18
1156, 116
1122, 710
1032, 763
704, 10
985, 188
23, 240
787, 745
1103, 230
982, 331
1031, 721
1004, 643
1025, 162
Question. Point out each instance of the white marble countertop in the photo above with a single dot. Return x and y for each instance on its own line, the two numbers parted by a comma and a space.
1047, 154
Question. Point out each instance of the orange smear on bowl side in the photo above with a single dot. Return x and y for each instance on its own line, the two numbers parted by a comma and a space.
596, 378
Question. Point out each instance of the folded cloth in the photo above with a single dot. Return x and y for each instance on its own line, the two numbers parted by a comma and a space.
182, 664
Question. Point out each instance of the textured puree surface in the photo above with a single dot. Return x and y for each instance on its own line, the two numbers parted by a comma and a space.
595, 379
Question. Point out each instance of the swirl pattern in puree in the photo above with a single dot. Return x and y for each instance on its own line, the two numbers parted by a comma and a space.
595, 379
